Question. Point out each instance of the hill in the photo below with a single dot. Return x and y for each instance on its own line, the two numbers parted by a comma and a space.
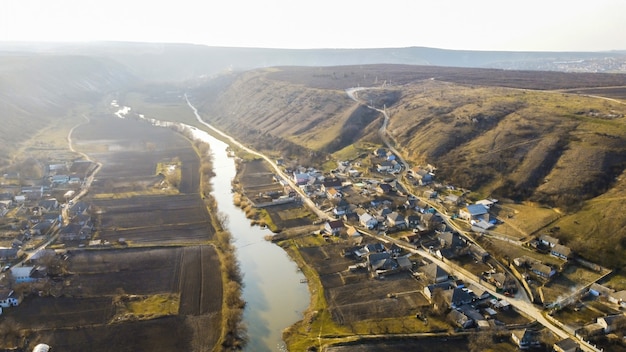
37, 91
512, 134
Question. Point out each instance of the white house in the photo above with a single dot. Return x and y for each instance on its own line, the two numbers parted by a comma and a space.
8, 298
368, 221
22, 273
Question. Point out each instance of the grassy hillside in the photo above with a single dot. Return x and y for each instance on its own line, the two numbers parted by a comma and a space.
512, 134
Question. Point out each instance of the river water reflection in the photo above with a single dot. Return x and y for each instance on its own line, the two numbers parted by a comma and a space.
274, 296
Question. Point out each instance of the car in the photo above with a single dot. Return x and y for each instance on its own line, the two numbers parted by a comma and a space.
5, 268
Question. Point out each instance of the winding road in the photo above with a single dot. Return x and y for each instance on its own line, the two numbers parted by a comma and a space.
521, 302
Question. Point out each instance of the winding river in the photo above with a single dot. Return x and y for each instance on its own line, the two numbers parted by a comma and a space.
275, 297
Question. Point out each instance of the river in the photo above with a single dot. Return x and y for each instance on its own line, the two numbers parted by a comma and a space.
275, 297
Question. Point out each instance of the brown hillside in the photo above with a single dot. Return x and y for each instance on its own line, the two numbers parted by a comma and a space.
500, 133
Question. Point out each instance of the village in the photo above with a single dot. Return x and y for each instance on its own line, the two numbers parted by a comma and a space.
430, 232
41, 223
386, 229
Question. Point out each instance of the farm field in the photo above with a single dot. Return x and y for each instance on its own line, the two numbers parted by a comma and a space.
160, 287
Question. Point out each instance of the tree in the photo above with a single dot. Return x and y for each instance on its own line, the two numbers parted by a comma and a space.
440, 304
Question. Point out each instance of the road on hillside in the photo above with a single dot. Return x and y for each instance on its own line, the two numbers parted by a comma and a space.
520, 302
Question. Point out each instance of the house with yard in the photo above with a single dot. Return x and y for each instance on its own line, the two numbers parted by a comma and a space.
334, 227
474, 212
560, 251
542, 270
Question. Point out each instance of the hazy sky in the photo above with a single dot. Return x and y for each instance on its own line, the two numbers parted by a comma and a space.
537, 25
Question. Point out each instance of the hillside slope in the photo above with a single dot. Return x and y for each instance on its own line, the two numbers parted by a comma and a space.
37, 90
511, 134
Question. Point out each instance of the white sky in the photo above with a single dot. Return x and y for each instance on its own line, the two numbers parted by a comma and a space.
534, 25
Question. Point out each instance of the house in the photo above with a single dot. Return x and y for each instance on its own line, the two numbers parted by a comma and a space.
525, 339
300, 178
429, 290
59, 179
560, 251
381, 262
397, 220
412, 221
329, 183
478, 253
79, 208
487, 202
542, 270
618, 297
8, 298
22, 274
598, 290
383, 188
368, 221
422, 176
334, 227
547, 240
404, 262
612, 322
47, 205
431, 220
352, 232
374, 247
475, 212
452, 199
380, 152
459, 296
566, 345
71, 232
460, 319
384, 166
525, 261
435, 273
333, 193
8, 254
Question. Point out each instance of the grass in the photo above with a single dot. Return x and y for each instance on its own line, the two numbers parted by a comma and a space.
569, 281
131, 307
